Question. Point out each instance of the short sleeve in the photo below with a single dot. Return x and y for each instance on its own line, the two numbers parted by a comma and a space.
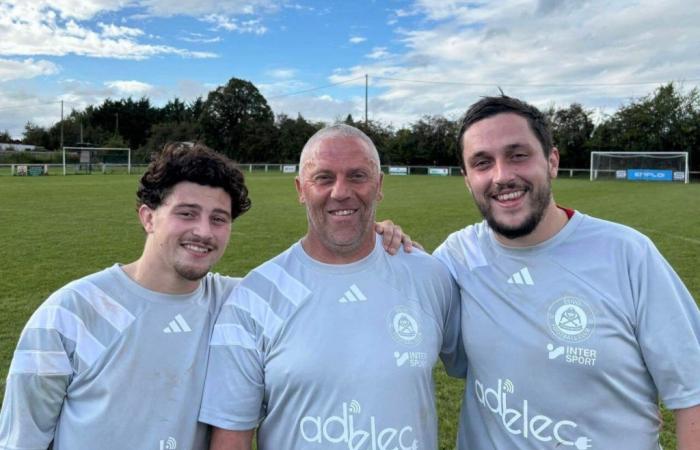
234, 384
668, 329
39, 375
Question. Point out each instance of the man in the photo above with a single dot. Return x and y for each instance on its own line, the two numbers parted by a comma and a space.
331, 344
116, 360
573, 326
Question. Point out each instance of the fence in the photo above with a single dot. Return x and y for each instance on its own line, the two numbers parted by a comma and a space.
138, 169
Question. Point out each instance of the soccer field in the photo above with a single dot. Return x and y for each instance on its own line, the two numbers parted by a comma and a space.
60, 228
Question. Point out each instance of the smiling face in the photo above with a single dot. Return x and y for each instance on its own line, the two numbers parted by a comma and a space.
510, 178
186, 235
340, 184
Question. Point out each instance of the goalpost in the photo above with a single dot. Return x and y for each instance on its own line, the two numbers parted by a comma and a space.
640, 166
88, 158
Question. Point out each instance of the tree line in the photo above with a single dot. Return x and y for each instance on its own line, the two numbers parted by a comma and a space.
236, 120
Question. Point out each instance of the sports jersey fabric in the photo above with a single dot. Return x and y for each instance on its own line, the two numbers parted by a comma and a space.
106, 364
571, 342
334, 356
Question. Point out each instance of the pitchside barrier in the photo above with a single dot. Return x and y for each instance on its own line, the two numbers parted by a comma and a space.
138, 169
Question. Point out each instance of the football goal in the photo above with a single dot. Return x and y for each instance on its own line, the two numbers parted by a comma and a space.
640, 166
85, 160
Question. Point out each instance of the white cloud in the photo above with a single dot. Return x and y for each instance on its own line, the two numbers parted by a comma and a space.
378, 53
28, 68
357, 39
543, 51
113, 31
197, 8
281, 73
130, 87
232, 24
34, 29
200, 38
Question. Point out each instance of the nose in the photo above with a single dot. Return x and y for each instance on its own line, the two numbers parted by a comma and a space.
203, 228
503, 172
341, 189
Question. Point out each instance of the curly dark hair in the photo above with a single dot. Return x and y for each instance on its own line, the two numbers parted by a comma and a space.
490, 106
197, 163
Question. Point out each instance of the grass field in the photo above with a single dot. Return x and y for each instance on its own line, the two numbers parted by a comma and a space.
61, 228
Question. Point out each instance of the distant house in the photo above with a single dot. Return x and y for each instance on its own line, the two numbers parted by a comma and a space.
19, 147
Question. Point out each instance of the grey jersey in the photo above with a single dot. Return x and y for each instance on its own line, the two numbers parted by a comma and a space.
104, 363
334, 356
571, 342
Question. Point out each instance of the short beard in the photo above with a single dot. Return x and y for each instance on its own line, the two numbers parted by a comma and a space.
190, 273
540, 202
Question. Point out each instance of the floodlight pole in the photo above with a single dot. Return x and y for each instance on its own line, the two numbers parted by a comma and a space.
366, 86
61, 123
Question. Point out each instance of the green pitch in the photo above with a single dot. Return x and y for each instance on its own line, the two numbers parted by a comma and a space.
60, 228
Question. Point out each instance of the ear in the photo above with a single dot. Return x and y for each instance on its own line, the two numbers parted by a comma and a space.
553, 161
297, 185
380, 194
146, 216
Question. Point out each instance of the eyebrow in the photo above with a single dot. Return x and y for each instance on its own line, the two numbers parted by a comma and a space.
199, 208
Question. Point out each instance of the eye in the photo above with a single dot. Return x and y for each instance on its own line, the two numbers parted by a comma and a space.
358, 176
220, 220
185, 214
481, 164
519, 156
322, 178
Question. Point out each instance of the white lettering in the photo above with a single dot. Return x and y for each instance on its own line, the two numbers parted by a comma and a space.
563, 423
315, 421
339, 429
518, 422
538, 430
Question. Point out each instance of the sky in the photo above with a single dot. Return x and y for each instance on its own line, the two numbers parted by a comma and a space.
421, 57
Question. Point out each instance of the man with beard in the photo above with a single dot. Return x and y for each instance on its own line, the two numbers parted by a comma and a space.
573, 326
331, 344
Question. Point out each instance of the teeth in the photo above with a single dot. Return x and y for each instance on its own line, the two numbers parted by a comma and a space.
196, 248
510, 195
343, 212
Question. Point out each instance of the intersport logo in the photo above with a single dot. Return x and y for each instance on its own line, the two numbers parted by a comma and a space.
519, 421
341, 430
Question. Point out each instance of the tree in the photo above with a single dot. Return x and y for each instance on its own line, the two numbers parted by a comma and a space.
36, 135
572, 129
6, 138
292, 136
666, 120
434, 142
234, 120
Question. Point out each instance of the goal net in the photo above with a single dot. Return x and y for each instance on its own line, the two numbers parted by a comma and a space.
640, 166
86, 160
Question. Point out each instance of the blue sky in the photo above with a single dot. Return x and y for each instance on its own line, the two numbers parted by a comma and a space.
422, 57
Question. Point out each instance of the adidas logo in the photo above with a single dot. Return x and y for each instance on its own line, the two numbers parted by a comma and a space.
177, 325
522, 276
352, 295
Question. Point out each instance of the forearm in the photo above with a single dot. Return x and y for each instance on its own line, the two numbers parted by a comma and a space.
688, 428
231, 440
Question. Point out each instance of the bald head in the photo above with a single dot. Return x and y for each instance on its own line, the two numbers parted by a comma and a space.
340, 131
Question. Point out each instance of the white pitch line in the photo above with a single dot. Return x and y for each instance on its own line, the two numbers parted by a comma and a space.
682, 238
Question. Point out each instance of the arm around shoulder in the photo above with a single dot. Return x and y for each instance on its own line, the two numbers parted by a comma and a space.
231, 440
688, 428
